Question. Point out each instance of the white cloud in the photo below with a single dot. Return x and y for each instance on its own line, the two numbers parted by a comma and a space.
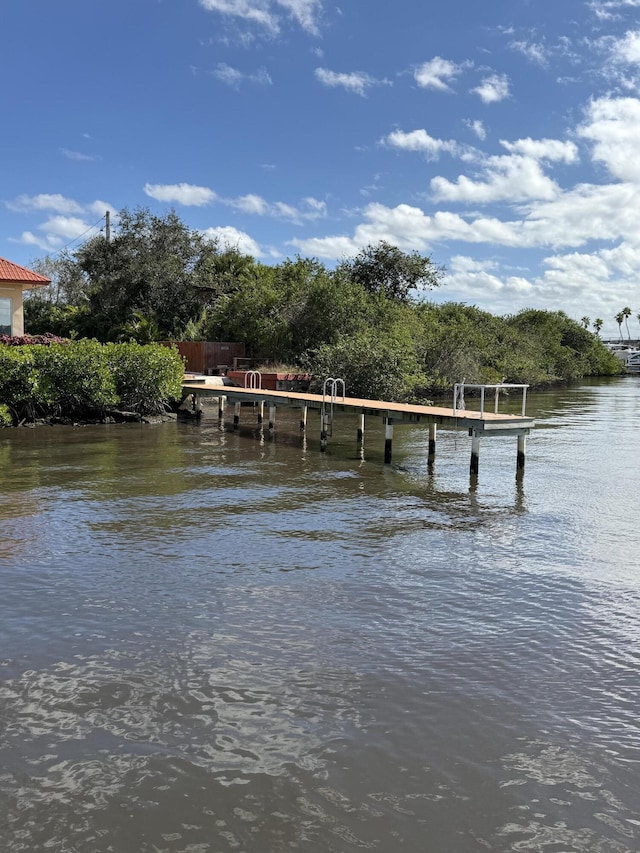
186, 194
420, 140
493, 88
515, 177
627, 49
477, 127
68, 227
268, 14
232, 77
544, 149
305, 12
436, 74
45, 201
353, 81
536, 53
613, 125
606, 10
308, 210
232, 238
258, 12
78, 156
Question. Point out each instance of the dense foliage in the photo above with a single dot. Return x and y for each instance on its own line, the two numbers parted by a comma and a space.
365, 321
87, 380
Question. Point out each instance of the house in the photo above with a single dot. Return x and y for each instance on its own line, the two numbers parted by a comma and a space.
14, 280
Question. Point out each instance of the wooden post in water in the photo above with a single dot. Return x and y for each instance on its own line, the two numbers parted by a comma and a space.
388, 439
272, 418
222, 402
303, 419
522, 452
433, 431
261, 411
475, 452
236, 415
361, 430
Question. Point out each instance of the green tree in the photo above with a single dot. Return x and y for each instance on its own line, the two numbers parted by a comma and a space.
586, 322
619, 318
626, 312
385, 269
598, 324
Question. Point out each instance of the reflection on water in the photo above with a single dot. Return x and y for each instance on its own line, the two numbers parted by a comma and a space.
225, 641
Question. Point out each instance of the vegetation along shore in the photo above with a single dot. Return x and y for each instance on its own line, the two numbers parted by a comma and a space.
368, 321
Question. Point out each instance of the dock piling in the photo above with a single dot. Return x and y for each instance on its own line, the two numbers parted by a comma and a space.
303, 419
475, 452
388, 439
522, 452
236, 415
433, 432
360, 436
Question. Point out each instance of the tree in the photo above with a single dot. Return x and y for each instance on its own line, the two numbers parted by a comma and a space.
153, 268
597, 325
586, 322
619, 318
385, 269
626, 312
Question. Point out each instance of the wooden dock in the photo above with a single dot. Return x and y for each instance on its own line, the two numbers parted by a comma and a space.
478, 424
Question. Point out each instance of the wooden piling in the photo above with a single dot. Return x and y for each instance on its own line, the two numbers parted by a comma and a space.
272, 418
360, 436
236, 415
522, 452
261, 411
303, 419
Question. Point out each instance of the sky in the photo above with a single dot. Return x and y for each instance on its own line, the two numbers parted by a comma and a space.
501, 138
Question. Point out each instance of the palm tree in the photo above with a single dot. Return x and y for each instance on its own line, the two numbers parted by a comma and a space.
598, 324
619, 318
626, 312
586, 322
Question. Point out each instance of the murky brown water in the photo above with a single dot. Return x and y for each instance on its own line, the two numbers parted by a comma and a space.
214, 643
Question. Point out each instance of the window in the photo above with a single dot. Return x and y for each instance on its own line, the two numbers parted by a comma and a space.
5, 315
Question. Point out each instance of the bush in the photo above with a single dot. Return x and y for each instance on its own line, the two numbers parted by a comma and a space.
146, 377
6, 418
19, 388
75, 379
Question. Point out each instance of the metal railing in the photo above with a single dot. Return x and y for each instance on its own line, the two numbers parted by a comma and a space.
253, 380
330, 390
459, 389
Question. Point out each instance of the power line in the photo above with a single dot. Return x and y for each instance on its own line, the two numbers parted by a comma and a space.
75, 239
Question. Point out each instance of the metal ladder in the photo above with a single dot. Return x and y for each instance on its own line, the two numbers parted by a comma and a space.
330, 392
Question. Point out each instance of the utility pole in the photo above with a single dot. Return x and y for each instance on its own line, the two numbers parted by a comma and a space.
107, 226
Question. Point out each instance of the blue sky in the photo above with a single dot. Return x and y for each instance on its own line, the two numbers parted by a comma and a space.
501, 138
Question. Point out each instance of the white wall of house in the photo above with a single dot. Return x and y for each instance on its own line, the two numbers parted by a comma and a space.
13, 292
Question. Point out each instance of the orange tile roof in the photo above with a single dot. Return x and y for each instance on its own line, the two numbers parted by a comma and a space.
20, 275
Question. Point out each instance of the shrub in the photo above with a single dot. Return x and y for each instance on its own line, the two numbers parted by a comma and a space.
146, 377
75, 379
19, 388
6, 418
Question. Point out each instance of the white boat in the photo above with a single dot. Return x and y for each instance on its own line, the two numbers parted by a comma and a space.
623, 351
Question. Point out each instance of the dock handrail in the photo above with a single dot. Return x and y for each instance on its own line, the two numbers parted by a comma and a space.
330, 389
459, 389
253, 380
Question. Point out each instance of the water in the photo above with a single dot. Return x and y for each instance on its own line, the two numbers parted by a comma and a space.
214, 642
